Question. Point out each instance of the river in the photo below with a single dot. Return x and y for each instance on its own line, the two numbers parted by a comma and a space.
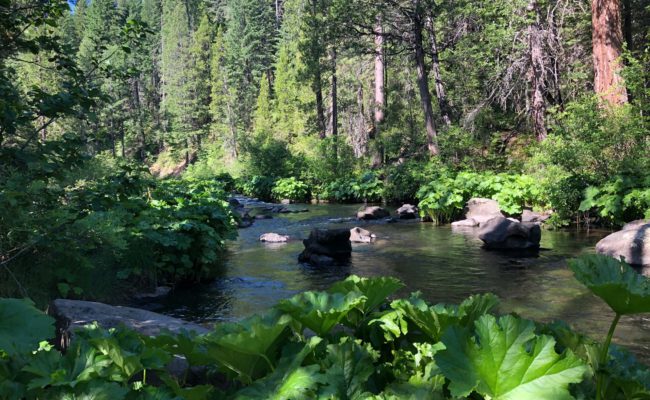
444, 264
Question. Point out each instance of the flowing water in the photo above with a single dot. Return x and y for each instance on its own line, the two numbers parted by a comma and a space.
445, 264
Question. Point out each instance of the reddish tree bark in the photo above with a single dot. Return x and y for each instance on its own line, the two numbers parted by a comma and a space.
607, 42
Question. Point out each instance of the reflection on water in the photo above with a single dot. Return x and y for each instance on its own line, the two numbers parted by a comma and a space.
445, 265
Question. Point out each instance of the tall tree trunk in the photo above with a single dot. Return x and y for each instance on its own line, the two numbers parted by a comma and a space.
423, 84
320, 109
536, 74
380, 96
335, 110
435, 68
607, 42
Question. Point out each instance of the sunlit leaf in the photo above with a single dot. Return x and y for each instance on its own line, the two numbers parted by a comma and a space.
622, 288
504, 359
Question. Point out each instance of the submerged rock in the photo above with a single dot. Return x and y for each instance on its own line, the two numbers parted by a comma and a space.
274, 238
326, 247
360, 235
158, 293
373, 212
632, 243
407, 211
503, 234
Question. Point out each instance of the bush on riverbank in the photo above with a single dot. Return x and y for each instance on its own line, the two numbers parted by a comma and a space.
101, 229
349, 342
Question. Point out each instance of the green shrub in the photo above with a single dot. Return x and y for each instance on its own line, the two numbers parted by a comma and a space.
365, 188
351, 341
444, 198
624, 198
257, 186
290, 188
404, 180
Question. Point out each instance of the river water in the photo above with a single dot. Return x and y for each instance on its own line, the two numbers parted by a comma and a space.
445, 264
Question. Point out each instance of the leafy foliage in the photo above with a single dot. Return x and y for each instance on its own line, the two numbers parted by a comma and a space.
290, 188
444, 198
505, 359
622, 288
624, 198
436, 352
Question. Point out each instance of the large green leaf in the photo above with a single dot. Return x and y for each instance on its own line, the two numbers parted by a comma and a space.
250, 348
22, 326
434, 320
290, 380
376, 290
622, 288
503, 359
321, 311
347, 367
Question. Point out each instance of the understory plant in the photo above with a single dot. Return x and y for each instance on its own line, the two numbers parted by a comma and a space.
350, 342
291, 189
444, 198
623, 198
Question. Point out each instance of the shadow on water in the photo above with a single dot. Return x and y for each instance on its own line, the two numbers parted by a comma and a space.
445, 264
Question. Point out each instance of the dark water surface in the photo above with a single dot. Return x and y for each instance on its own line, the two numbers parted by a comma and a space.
446, 265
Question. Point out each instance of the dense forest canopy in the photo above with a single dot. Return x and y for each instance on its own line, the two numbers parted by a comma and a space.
542, 103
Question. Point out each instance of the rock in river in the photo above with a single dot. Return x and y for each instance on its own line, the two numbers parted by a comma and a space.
274, 238
632, 243
479, 211
327, 247
373, 212
407, 211
360, 235
72, 314
503, 234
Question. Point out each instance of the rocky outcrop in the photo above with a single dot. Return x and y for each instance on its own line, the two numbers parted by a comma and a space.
274, 238
326, 247
360, 235
407, 211
478, 212
503, 234
73, 314
528, 216
373, 212
632, 243
244, 220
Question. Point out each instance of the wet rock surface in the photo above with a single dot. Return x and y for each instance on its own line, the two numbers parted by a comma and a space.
631, 243
505, 234
326, 247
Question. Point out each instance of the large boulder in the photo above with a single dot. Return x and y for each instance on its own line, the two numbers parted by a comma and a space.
482, 210
407, 211
73, 314
632, 243
373, 212
635, 224
274, 238
503, 234
360, 235
327, 247
534, 217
